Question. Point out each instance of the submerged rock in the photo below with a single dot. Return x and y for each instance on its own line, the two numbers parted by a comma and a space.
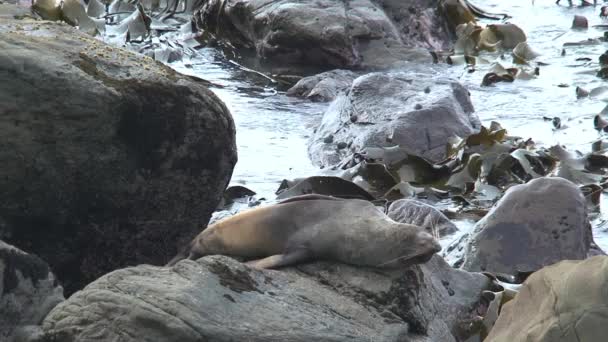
28, 291
417, 112
108, 158
324, 86
421, 214
328, 34
532, 226
217, 298
564, 302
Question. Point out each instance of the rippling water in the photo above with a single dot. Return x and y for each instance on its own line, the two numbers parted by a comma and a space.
272, 129
521, 105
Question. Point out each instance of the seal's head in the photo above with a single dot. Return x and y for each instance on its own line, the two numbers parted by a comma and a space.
415, 246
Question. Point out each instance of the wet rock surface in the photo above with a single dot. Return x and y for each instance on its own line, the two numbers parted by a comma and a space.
417, 112
422, 215
108, 158
532, 226
217, 298
28, 291
323, 87
564, 302
327, 34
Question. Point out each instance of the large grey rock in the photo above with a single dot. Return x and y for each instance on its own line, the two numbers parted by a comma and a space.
564, 302
418, 112
324, 86
28, 291
108, 159
422, 215
532, 226
217, 298
328, 34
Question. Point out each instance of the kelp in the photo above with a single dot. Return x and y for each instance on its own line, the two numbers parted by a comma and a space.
475, 43
585, 169
137, 25
323, 185
498, 73
458, 12
501, 291
523, 53
473, 38
477, 171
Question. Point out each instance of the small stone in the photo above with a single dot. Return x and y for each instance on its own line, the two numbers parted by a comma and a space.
604, 58
580, 22
580, 92
353, 118
418, 106
341, 145
427, 90
328, 139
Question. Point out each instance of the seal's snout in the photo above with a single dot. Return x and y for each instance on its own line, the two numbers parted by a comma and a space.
436, 247
428, 242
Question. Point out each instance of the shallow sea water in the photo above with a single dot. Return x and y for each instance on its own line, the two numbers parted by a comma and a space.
273, 129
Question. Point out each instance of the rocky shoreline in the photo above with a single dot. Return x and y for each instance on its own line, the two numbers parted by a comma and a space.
112, 161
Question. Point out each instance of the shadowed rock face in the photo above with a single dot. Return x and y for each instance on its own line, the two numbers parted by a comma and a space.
564, 302
327, 34
217, 298
417, 112
108, 159
532, 226
28, 291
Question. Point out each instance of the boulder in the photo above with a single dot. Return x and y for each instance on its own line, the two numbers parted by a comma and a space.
217, 298
564, 302
327, 34
417, 112
28, 291
108, 158
422, 215
323, 87
532, 226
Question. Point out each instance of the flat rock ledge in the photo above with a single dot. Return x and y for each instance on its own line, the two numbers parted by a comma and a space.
217, 298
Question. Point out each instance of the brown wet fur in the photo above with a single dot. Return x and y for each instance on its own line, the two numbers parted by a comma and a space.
262, 232
299, 229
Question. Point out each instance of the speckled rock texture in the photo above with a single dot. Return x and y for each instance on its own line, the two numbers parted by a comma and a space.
28, 291
564, 302
217, 298
418, 112
327, 34
534, 225
108, 158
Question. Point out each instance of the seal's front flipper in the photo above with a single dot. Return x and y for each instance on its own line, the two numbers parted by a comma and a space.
280, 260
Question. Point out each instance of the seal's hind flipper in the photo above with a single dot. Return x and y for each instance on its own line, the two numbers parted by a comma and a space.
280, 260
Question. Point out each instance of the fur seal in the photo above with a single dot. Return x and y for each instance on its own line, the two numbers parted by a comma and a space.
314, 227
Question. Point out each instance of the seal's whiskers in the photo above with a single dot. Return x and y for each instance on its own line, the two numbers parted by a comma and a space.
392, 260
